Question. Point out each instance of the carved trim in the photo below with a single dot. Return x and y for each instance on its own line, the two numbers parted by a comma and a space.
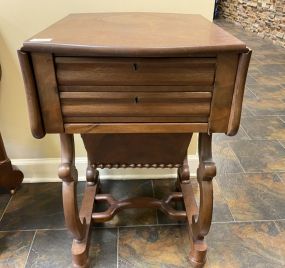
101, 165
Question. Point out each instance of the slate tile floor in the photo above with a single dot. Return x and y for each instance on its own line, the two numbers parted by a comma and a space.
248, 227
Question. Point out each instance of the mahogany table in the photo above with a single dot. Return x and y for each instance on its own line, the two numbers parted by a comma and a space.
136, 86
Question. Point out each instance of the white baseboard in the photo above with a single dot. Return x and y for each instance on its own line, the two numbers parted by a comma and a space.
45, 170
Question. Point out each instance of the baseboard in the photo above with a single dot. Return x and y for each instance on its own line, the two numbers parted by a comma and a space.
45, 170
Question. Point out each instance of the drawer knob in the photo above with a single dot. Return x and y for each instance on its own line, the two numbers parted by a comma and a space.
135, 66
136, 99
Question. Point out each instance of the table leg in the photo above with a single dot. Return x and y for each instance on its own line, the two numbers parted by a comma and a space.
10, 176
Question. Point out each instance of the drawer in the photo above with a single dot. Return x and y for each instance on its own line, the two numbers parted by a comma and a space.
86, 71
127, 106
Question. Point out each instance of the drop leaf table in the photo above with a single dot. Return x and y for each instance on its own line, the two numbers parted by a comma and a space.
136, 86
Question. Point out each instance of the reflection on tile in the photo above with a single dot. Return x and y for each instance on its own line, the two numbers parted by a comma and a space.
52, 248
235, 245
269, 91
250, 80
225, 159
166, 246
272, 69
260, 155
103, 248
270, 56
4, 199
255, 196
264, 127
282, 176
282, 118
121, 189
221, 212
241, 135
35, 206
14, 248
265, 106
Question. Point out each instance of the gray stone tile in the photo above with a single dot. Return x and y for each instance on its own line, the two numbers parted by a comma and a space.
52, 248
4, 199
236, 245
225, 159
156, 246
264, 127
14, 248
35, 206
259, 155
255, 196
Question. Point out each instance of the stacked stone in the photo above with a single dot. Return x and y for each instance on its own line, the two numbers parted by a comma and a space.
266, 18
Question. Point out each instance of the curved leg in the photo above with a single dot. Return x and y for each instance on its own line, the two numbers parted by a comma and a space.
78, 225
199, 219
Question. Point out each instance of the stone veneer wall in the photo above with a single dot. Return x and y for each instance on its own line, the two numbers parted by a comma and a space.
264, 17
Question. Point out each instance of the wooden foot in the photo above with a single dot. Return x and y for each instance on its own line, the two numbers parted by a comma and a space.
80, 249
10, 176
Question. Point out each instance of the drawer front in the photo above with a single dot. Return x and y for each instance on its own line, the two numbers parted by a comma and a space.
83, 71
135, 106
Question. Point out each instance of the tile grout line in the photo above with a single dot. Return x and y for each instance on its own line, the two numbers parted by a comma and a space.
228, 143
241, 126
30, 249
33, 230
280, 144
279, 116
4, 211
226, 201
118, 236
146, 225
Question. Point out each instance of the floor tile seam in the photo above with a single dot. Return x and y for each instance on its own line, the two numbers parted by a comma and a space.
152, 225
279, 116
243, 128
247, 221
281, 179
5, 209
250, 139
251, 116
30, 249
249, 172
279, 141
118, 237
276, 225
33, 230
185, 224
235, 156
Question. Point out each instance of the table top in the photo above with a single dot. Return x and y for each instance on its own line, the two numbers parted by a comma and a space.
133, 34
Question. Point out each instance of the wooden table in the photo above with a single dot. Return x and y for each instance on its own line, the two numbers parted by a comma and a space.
136, 86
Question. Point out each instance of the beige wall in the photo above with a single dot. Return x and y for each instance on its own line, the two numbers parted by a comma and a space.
20, 20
